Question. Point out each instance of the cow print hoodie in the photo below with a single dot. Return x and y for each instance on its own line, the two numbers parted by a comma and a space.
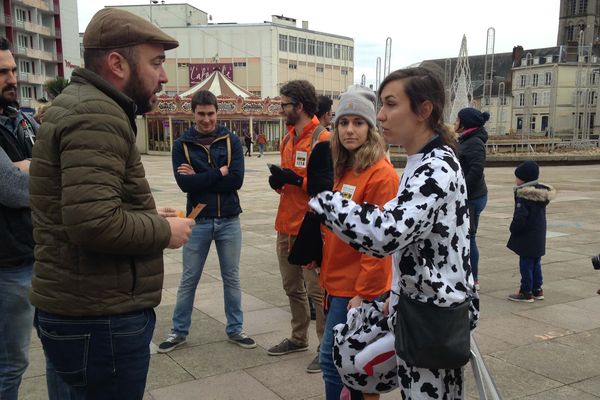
425, 228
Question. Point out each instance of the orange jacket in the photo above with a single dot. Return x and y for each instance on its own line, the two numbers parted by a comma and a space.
345, 272
293, 203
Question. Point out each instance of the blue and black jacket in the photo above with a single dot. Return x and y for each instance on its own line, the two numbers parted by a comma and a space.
208, 186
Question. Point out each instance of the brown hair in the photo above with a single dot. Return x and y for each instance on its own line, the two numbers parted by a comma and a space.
372, 150
421, 85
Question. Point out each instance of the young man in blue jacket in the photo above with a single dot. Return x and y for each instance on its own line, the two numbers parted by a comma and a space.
208, 164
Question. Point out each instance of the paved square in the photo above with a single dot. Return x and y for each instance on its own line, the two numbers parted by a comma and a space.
549, 349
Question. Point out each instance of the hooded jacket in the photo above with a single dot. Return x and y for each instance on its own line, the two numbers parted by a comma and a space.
346, 272
208, 186
98, 236
528, 227
16, 232
471, 155
293, 203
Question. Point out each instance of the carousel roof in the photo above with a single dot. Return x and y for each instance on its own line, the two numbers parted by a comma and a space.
219, 85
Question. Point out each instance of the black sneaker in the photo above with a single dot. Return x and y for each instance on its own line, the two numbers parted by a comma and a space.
242, 340
538, 294
285, 347
314, 367
171, 343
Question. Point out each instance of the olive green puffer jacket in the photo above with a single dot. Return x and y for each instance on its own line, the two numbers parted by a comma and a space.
99, 239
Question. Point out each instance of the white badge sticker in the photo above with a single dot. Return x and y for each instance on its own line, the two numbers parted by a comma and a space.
301, 157
348, 191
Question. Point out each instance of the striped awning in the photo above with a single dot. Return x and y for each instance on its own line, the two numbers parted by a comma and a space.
219, 85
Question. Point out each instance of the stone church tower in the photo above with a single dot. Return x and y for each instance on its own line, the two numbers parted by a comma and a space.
578, 15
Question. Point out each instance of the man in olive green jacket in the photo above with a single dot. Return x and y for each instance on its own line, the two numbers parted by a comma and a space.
98, 268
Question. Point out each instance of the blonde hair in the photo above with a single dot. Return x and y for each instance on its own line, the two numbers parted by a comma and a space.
371, 151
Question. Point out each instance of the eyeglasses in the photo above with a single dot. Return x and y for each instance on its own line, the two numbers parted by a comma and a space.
284, 105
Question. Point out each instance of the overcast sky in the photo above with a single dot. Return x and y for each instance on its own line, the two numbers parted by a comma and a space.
421, 29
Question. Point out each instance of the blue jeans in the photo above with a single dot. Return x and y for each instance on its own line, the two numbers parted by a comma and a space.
96, 358
336, 314
531, 273
227, 235
16, 323
476, 206
261, 149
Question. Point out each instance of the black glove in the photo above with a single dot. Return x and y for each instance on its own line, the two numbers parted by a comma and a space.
289, 177
319, 172
275, 182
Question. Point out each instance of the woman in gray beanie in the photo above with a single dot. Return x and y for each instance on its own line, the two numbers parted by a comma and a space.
471, 154
362, 173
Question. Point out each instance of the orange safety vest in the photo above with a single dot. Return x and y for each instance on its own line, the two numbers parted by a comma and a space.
345, 272
293, 203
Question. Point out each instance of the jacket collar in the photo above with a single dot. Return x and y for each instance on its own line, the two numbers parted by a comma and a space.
86, 76
308, 128
435, 143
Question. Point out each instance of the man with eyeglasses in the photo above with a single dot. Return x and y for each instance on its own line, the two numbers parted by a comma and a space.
298, 105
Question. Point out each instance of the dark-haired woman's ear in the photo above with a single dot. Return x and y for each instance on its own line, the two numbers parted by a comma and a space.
425, 111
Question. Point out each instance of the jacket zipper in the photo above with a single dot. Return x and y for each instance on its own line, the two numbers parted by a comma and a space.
207, 149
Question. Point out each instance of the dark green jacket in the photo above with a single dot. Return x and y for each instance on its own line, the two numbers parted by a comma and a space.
99, 239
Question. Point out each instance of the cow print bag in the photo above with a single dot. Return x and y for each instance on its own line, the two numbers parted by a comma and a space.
363, 350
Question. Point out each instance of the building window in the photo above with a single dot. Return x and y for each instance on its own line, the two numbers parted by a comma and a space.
24, 41
521, 99
301, 46
592, 97
311, 47
336, 51
534, 99
344, 71
582, 7
239, 64
293, 48
344, 53
328, 50
535, 79
26, 92
319, 48
548, 79
571, 7
532, 125
293, 66
544, 123
22, 15
545, 98
283, 43
570, 33
519, 123
26, 67
320, 68
523, 81
351, 53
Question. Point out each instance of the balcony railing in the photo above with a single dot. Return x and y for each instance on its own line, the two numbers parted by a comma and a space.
36, 28
38, 54
45, 5
25, 77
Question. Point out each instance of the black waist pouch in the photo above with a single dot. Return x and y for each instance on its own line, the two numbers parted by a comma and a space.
428, 336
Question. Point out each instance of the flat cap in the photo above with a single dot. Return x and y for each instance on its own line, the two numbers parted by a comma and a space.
112, 28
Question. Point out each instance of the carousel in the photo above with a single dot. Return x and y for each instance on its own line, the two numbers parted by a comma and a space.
239, 110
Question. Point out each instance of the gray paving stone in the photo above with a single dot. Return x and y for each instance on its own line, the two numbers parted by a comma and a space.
230, 386
553, 360
164, 371
591, 385
562, 393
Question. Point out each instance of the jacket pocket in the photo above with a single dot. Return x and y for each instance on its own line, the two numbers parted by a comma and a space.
67, 353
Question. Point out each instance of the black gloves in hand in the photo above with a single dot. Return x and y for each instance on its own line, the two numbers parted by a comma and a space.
275, 182
319, 173
290, 177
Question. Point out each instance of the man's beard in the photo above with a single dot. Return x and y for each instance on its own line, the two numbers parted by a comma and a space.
6, 102
292, 118
140, 96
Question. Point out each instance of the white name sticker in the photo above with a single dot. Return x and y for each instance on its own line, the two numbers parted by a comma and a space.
348, 191
301, 157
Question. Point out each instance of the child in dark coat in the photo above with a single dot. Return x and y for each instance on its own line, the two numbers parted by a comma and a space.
528, 229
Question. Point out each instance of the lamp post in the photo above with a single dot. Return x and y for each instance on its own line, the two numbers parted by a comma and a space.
151, 3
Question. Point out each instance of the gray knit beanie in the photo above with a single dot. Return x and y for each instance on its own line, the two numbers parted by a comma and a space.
357, 100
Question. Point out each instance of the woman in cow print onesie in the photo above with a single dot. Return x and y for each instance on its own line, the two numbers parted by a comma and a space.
425, 227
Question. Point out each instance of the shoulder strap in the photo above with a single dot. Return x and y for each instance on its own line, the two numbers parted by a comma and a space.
187, 154
228, 151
